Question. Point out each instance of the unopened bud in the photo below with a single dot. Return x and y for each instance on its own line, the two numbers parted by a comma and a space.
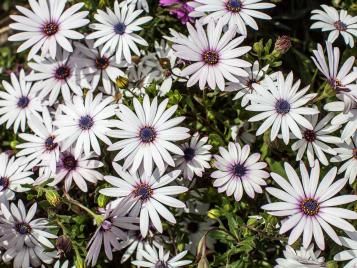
102, 200
53, 198
283, 44
213, 213
64, 246
122, 82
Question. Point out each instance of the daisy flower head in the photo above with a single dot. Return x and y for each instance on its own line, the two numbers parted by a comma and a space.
152, 193
12, 176
40, 146
342, 79
302, 258
351, 253
238, 171
337, 23
235, 13
281, 104
245, 85
83, 121
214, 57
18, 228
98, 67
140, 4
315, 141
148, 135
54, 76
155, 256
196, 157
116, 30
74, 168
48, 25
311, 206
18, 102
115, 221
347, 153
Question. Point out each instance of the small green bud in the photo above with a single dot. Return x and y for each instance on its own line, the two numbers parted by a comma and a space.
214, 213
102, 200
53, 198
122, 82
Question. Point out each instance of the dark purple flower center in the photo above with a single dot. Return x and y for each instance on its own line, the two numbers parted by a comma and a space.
143, 191
309, 135
86, 122
310, 207
282, 107
161, 264
106, 225
189, 154
119, 28
69, 162
234, 5
239, 170
339, 25
23, 228
147, 134
4, 183
193, 227
50, 28
250, 83
62, 72
49, 144
102, 63
23, 102
210, 57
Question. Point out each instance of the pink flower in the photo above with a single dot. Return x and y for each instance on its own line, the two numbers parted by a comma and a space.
178, 8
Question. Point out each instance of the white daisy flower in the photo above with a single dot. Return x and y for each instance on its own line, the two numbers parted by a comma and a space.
314, 141
98, 67
281, 104
115, 30
111, 230
152, 193
245, 85
349, 254
13, 176
347, 153
55, 76
140, 4
18, 102
330, 20
40, 146
196, 157
147, 135
69, 168
310, 205
18, 228
46, 25
157, 257
237, 170
302, 258
83, 121
235, 13
349, 118
341, 80
215, 56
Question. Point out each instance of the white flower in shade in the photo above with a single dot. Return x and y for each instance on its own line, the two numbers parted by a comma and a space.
310, 205
65, 264
348, 118
302, 258
238, 171
40, 146
347, 153
281, 105
235, 13
115, 30
214, 57
140, 4
78, 169
147, 135
13, 176
55, 76
330, 20
349, 254
18, 102
314, 141
196, 157
151, 192
242, 133
98, 67
46, 25
340, 79
83, 121
111, 230
245, 85
155, 256
18, 228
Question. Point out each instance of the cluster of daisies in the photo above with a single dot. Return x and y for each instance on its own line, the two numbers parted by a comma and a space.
83, 96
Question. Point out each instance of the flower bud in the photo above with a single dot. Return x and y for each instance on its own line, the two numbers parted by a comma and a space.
102, 200
282, 44
53, 198
122, 82
213, 213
